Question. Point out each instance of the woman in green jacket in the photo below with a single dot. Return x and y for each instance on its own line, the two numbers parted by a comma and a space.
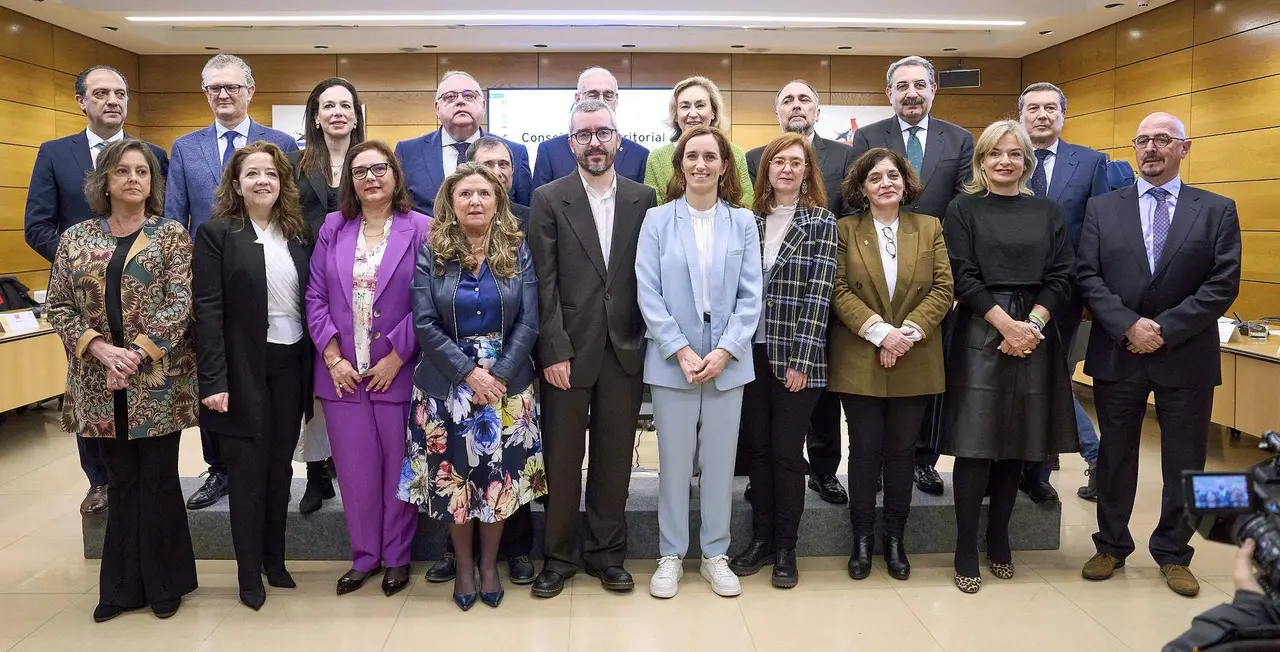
695, 101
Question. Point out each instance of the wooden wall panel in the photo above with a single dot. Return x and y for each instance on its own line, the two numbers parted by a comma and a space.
1261, 257
561, 69
389, 72
1041, 66
770, 73
16, 163
975, 111
493, 70
26, 39
1126, 119
751, 136
1255, 201
13, 203
171, 74
860, 74
278, 73
1237, 58
178, 110
1153, 33
754, 108
73, 52
1003, 76
164, 136
1090, 94
1163, 76
65, 124
399, 108
1238, 107
1244, 156
1087, 55
1215, 19
1257, 300
18, 257
662, 70
260, 109
393, 134
1094, 130
25, 82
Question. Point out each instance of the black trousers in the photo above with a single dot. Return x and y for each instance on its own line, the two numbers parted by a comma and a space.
146, 554
1183, 415
609, 409
823, 441
93, 460
774, 423
261, 470
517, 534
212, 449
882, 439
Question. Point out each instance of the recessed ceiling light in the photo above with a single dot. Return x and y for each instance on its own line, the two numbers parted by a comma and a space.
429, 47
845, 47
950, 49
1045, 32
321, 47
1113, 5
109, 28
539, 45
737, 47
573, 18
628, 45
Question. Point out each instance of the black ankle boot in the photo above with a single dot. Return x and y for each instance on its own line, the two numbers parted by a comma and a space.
319, 488
749, 562
785, 573
860, 559
895, 557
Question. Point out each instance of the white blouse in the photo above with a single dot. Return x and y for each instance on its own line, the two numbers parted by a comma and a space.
704, 233
776, 225
887, 238
284, 315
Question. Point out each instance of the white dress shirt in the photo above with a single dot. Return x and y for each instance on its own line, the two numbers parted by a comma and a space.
602, 209
1049, 162
241, 139
95, 141
284, 317
887, 239
704, 235
1147, 212
450, 153
923, 134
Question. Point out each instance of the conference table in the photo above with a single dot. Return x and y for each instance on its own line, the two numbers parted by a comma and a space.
34, 367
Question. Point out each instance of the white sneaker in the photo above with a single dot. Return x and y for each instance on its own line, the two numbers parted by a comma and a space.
666, 580
716, 571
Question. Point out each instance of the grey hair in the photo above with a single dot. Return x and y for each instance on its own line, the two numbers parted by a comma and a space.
592, 106
777, 98
82, 80
595, 69
223, 61
456, 73
487, 142
908, 61
1043, 86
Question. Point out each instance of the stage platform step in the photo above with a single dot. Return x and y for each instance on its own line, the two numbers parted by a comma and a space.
824, 528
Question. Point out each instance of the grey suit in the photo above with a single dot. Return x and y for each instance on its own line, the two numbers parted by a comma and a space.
834, 160
948, 158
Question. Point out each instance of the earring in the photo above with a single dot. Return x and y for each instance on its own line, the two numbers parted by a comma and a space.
804, 187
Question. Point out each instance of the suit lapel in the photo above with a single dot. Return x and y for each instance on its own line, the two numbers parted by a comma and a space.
583, 222
345, 257
209, 146
80, 151
433, 159
820, 148
684, 223
398, 241
935, 144
908, 256
1185, 215
1063, 168
869, 248
893, 134
1130, 225
302, 263
718, 249
254, 258
626, 221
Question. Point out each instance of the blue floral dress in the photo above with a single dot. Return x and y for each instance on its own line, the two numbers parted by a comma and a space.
465, 461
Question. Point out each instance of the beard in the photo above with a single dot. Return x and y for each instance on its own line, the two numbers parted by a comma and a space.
802, 128
595, 169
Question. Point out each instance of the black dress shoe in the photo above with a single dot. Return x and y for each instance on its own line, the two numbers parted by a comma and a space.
1040, 492
928, 480
444, 570
749, 562
785, 573
613, 578
1090, 491
280, 579
395, 580
895, 557
166, 608
521, 570
104, 612
254, 597
548, 584
879, 483
1055, 464
860, 559
319, 488
829, 489
353, 579
215, 486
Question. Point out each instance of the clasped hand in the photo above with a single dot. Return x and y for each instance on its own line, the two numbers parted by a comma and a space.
486, 389
1020, 339
120, 362
699, 370
895, 345
1144, 336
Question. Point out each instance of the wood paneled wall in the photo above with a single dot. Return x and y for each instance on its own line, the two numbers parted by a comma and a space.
1216, 65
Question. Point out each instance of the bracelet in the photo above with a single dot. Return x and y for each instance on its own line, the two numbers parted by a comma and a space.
1034, 324
1035, 319
333, 363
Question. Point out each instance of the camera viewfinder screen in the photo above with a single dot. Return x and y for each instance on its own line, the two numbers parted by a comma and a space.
1221, 491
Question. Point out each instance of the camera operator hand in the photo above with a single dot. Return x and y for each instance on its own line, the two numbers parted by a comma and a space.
1246, 580
1250, 616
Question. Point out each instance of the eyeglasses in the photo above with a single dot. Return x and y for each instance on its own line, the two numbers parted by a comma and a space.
604, 135
452, 96
378, 169
608, 96
1161, 140
890, 245
787, 164
231, 89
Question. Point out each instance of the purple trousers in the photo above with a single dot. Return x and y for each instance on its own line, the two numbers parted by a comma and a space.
368, 448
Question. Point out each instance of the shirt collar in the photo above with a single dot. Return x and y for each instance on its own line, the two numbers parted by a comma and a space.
272, 232
241, 129
1053, 149
94, 139
447, 140
613, 187
924, 124
1174, 185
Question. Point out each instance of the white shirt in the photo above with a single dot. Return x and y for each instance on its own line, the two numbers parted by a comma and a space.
94, 141
776, 225
704, 234
1147, 211
1049, 162
602, 209
450, 153
922, 135
887, 239
284, 317
241, 139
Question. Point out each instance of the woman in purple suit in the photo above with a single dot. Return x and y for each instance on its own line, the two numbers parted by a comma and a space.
360, 314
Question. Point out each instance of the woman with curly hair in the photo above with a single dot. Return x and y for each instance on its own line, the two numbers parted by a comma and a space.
474, 450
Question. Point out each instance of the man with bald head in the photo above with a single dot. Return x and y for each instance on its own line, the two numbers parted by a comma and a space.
556, 158
1158, 264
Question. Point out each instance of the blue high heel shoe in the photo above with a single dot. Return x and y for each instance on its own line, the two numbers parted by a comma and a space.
465, 602
492, 598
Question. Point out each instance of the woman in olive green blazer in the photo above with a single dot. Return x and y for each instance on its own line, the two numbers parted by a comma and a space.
892, 290
695, 102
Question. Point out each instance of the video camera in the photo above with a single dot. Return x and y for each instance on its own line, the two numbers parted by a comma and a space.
1231, 507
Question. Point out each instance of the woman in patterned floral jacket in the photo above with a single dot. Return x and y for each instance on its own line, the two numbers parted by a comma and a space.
120, 299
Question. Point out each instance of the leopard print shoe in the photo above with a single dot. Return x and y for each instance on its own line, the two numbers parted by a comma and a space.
968, 585
1002, 571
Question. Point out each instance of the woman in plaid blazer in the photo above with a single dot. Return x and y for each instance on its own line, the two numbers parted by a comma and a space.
798, 247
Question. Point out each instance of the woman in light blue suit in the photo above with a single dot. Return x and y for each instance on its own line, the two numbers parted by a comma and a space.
699, 287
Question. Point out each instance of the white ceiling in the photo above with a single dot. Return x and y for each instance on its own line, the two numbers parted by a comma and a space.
1067, 19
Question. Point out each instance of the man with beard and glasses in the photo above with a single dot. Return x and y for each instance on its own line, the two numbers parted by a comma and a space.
798, 111
941, 154
428, 159
583, 233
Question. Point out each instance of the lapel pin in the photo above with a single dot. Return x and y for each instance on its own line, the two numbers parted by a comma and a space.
866, 242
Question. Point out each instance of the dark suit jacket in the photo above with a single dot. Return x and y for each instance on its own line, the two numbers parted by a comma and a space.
834, 159
556, 159
948, 159
313, 195
1079, 173
229, 302
522, 216
1196, 280
55, 196
582, 302
423, 163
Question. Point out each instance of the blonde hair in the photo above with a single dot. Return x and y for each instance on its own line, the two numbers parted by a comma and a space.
719, 119
449, 243
988, 141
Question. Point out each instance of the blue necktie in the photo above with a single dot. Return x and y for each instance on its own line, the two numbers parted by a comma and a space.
1159, 225
1040, 178
230, 137
462, 151
915, 150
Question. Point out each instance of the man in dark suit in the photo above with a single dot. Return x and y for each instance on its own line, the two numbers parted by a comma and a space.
942, 154
198, 159
797, 108
55, 203
1069, 175
1159, 264
428, 159
584, 229
493, 153
556, 158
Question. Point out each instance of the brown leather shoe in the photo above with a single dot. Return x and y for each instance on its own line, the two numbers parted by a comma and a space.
95, 502
1180, 580
1101, 567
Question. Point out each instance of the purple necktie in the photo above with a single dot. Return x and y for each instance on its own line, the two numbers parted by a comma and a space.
1159, 224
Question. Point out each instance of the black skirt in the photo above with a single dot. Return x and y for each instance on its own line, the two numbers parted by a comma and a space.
1001, 407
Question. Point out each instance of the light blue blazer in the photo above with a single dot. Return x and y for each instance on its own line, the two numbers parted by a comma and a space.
669, 279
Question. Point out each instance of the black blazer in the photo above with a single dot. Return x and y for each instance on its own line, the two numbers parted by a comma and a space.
834, 159
522, 216
313, 195
1196, 280
948, 159
229, 301
582, 301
